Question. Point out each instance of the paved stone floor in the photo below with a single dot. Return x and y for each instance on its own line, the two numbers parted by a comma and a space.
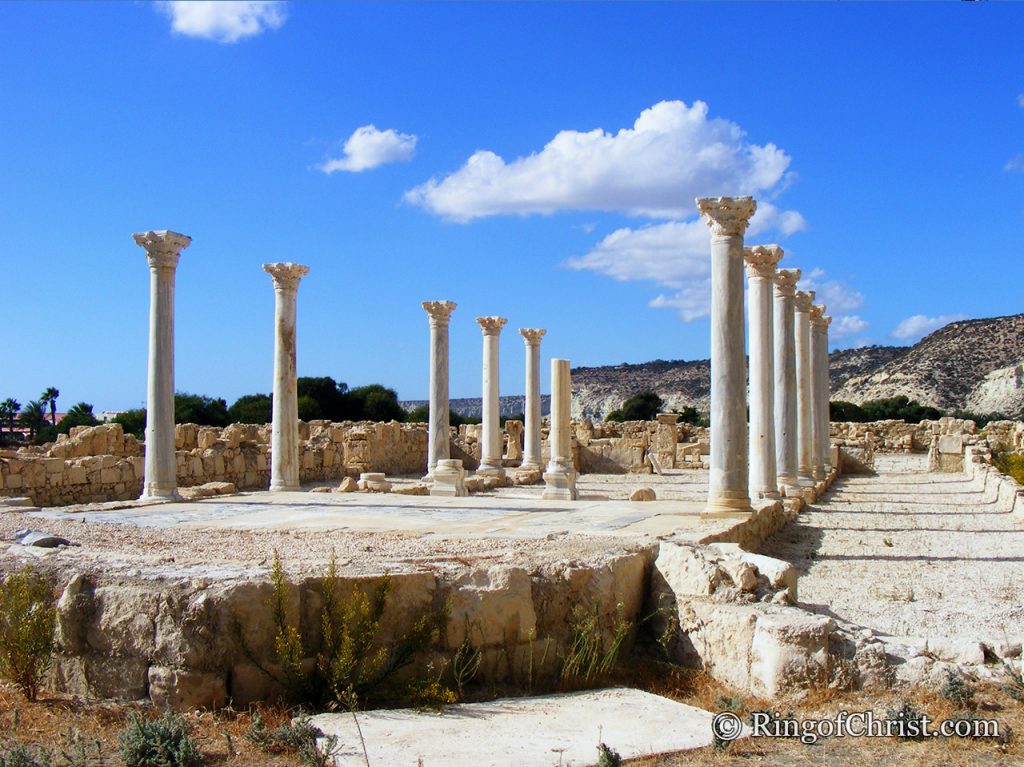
909, 553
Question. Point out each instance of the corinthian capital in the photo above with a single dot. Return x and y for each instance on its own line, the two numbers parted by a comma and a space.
785, 281
439, 311
286, 275
162, 248
817, 312
761, 260
727, 216
532, 336
803, 300
491, 326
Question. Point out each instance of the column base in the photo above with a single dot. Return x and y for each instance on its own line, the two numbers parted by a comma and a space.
766, 495
559, 482
160, 494
449, 479
283, 487
719, 508
530, 466
818, 473
490, 467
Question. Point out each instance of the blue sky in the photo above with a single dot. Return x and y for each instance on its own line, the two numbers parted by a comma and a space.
537, 161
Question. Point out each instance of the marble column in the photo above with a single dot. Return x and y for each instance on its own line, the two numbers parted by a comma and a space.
818, 401
532, 460
824, 390
728, 485
761, 263
560, 477
786, 452
284, 430
490, 431
163, 249
439, 434
804, 388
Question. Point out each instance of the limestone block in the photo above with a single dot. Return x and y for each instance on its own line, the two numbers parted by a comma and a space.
250, 684
53, 465
495, 603
373, 481
643, 494
685, 571
957, 651
420, 488
186, 690
789, 650
951, 444
718, 637
348, 485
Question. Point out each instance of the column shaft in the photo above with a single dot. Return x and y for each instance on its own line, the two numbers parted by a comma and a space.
728, 484
804, 390
532, 413
826, 396
162, 251
818, 402
560, 477
786, 453
490, 436
439, 430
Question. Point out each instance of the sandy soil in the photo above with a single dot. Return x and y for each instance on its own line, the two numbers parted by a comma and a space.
909, 553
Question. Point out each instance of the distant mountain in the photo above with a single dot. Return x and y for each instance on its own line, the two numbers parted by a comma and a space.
470, 407
977, 365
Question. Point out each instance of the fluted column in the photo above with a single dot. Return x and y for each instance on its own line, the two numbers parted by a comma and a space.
761, 261
825, 389
804, 388
786, 451
490, 432
439, 435
818, 403
531, 442
560, 477
728, 484
163, 249
284, 430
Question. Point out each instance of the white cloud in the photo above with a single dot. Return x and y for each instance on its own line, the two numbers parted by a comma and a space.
839, 297
919, 325
849, 325
224, 21
675, 255
369, 147
1020, 100
672, 154
1015, 164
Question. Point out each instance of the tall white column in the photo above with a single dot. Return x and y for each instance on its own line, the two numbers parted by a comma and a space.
284, 430
560, 477
761, 261
163, 249
818, 402
490, 432
824, 389
531, 442
439, 435
728, 485
804, 391
786, 452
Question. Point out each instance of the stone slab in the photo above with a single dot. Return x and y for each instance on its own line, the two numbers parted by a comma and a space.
514, 732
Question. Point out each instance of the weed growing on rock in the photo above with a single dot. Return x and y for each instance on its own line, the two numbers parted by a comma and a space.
163, 742
608, 757
1011, 464
27, 621
911, 721
957, 690
588, 656
22, 756
1015, 687
298, 737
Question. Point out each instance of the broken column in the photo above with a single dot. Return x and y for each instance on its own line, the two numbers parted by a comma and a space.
490, 437
560, 477
284, 433
163, 249
819, 435
728, 485
761, 261
786, 452
439, 431
804, 391
532, 414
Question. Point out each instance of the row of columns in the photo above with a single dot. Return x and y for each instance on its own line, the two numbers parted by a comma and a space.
784, 446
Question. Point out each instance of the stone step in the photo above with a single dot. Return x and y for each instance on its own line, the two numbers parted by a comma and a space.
542, 731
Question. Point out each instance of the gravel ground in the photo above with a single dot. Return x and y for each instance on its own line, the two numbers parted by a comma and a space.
909, 553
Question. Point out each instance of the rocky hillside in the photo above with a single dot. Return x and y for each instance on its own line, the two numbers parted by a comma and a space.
946, 368
471, 407
596, 391
850, 363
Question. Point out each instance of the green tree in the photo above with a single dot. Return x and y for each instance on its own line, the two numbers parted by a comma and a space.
79, 415
133, 422
375, 403
692, 416
33, 418
643, 406
8, 412
328, 394
49, 398
846, 412
252, 408
899, 408
200, 410
420, 414
310, 409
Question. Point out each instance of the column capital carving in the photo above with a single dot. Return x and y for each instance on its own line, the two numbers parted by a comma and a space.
785, 281
532, 336
817, 312
491, 326
439, 311
826, 320
803, 300
761, 260
285, 274
727, 216
162, 247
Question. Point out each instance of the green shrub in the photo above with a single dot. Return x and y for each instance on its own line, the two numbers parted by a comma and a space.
608, 757
911, 721
22, 756
1010, 464
298, 737
957, 690
252, 408
199, 409
27, 621
588, 657
163, 742
132, 422
643, 406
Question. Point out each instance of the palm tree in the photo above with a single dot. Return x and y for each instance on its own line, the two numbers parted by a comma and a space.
33, 416
8, 412
49, 397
